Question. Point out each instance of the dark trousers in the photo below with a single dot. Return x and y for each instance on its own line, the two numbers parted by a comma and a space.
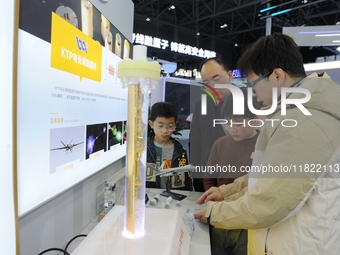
198, 184
228, 242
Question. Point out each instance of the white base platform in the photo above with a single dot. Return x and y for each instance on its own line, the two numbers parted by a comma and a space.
165, 234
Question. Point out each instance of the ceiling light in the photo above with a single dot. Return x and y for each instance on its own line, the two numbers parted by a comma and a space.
235, 44
224, 25
280, 12
198, 33
321, 66
338, 49
324, 35
147, 19
168, 66
338, 23
172, 7
318, 32
268, 9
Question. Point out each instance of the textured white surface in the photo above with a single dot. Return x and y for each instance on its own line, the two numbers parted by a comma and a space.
199, 242
166, 238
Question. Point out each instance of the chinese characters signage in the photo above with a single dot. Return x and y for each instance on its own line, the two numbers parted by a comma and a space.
174, 46
73, 51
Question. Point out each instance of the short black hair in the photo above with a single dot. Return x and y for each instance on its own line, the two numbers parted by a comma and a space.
270, 52
163, 109
227, 107
221, 61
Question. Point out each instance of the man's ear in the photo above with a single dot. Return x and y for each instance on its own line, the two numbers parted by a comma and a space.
150, 123
230, 74
279, 75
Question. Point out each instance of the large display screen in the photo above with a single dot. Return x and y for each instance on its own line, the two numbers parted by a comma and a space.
72, 110
184, 97
184, 94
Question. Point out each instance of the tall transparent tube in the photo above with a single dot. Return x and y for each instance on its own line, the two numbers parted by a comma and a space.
136, 159
137, 75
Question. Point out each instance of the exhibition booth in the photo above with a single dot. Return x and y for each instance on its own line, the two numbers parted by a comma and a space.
73, 81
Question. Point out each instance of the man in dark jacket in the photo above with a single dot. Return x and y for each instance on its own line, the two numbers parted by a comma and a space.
202, 132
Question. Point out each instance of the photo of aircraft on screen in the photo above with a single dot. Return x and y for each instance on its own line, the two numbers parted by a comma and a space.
67, 147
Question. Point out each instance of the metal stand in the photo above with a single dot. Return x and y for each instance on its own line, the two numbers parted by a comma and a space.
168, 193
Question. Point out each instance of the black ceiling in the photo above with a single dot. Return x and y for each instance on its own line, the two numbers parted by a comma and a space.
243, 17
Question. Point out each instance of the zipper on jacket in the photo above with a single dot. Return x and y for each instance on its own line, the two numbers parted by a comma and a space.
265, 245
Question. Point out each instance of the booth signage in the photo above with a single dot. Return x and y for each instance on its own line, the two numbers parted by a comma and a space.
174, 46
73, 51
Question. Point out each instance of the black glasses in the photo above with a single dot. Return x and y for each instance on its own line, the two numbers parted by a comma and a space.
251, 84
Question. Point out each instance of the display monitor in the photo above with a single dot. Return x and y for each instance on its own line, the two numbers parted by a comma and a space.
183, 93
72, 109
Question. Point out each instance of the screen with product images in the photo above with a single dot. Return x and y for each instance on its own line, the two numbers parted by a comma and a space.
72, 109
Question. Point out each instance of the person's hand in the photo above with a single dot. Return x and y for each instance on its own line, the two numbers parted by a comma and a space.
212, 194
200, 215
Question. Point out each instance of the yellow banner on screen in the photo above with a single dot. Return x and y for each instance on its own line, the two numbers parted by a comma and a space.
73, 51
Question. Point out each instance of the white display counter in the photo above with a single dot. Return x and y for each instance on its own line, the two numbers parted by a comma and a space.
161, 230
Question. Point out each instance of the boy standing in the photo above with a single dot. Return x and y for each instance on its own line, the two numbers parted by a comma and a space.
231, 152
163, 150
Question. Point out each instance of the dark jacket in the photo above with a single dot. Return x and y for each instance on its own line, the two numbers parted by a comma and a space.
203, 134
178, 154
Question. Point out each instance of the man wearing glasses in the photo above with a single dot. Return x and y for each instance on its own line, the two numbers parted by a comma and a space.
293, 206
202, 132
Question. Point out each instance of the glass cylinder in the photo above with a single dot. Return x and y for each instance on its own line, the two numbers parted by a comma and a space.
137, 75
135, 172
